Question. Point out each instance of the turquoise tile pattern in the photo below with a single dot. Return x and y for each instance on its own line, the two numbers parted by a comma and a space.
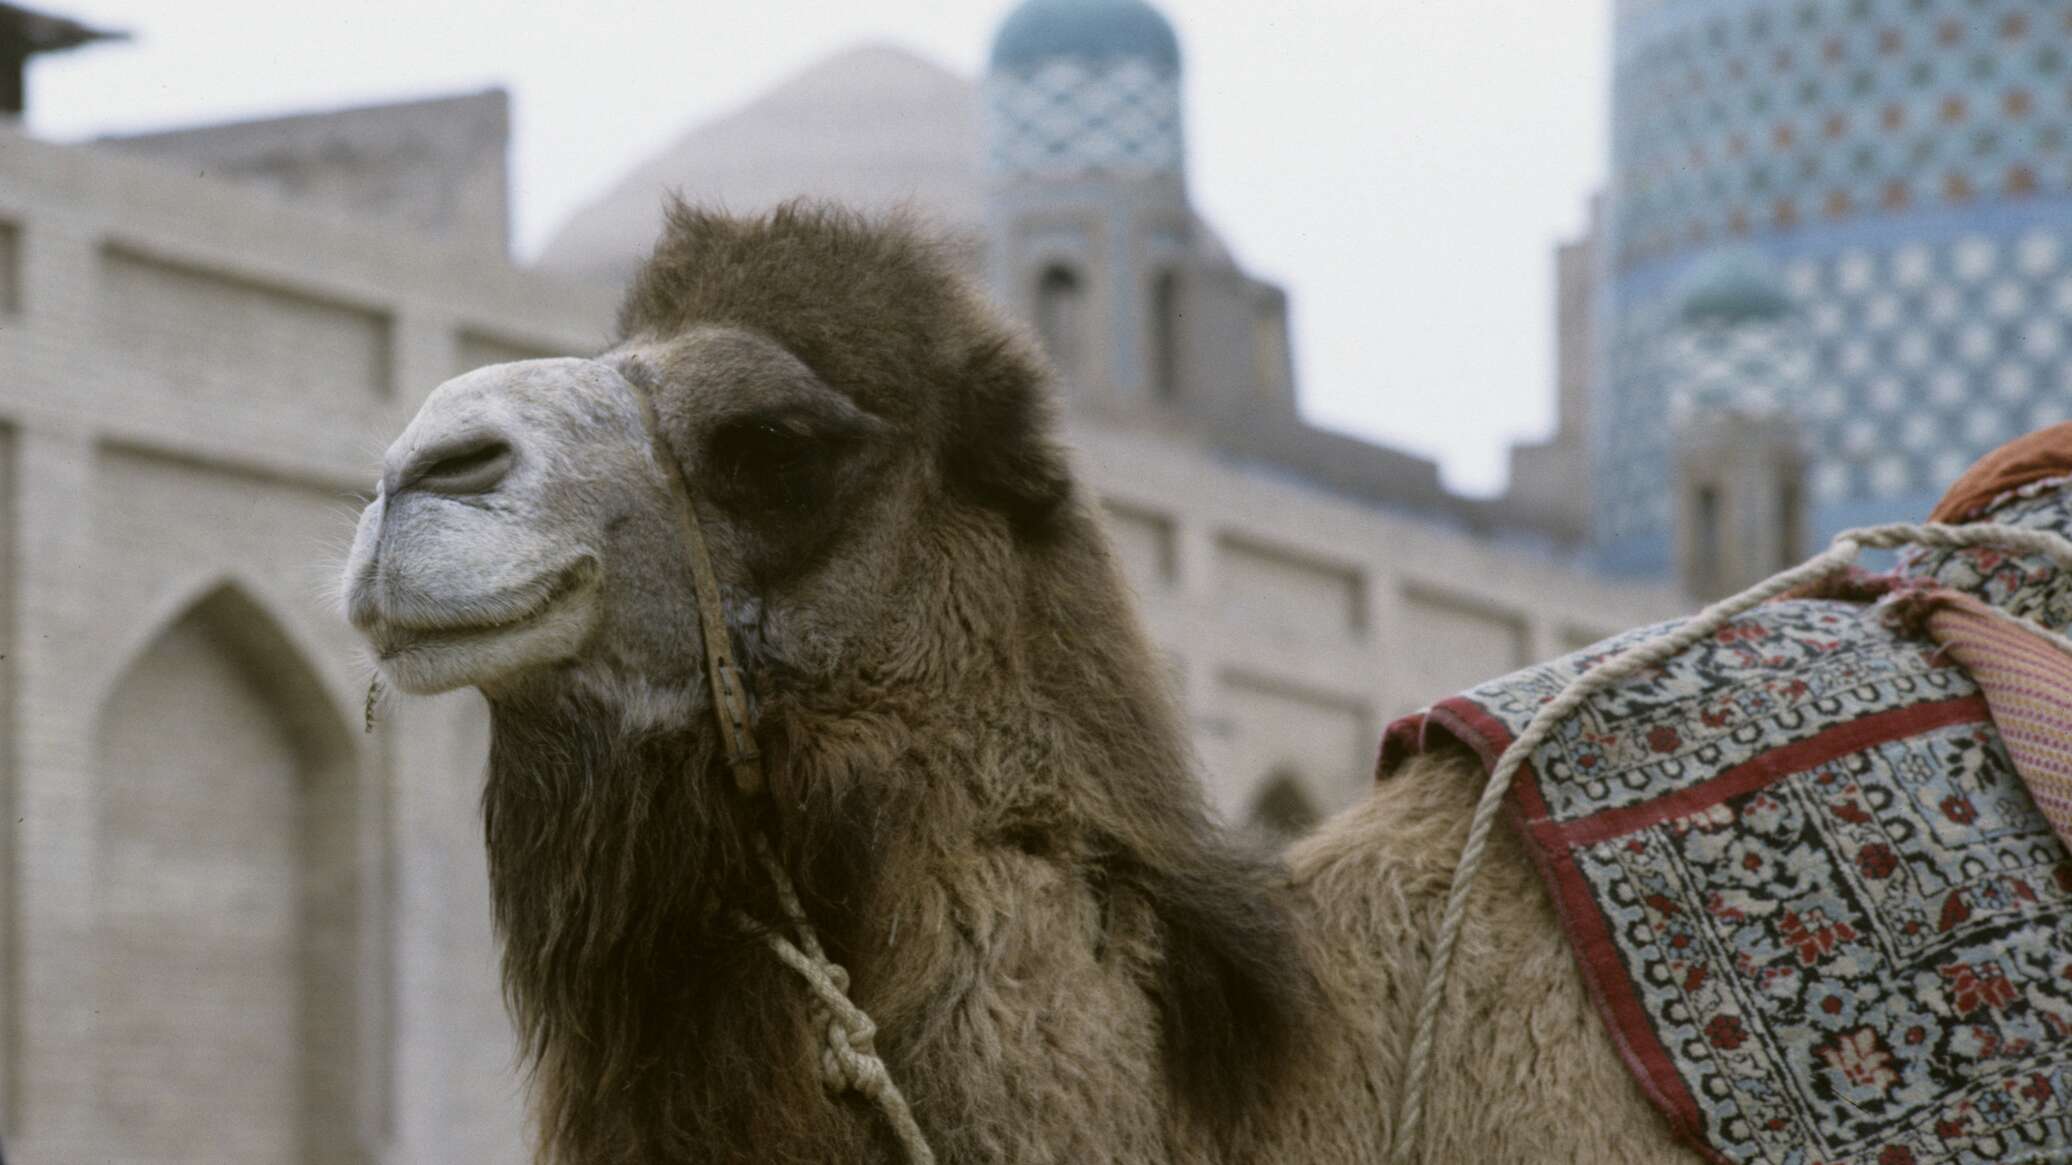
1906, 167
1073, 117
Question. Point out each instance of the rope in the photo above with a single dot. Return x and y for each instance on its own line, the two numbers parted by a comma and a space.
1836, 557
849, 1060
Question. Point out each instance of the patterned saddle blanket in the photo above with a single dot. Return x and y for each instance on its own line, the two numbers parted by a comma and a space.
1816, 905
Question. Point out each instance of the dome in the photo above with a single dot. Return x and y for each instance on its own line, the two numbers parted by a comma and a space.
874, 128
1043, 30
1732, 286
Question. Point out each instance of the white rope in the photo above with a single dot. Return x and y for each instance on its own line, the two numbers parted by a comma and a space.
849, 1060
1838, 556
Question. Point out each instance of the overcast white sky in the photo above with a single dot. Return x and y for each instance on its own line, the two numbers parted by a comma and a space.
1403, 167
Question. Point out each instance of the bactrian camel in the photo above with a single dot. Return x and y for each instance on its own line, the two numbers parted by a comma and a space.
975, 777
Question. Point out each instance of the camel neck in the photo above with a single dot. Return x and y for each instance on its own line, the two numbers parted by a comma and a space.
1013, 864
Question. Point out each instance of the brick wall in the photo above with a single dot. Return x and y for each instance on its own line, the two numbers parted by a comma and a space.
233, 928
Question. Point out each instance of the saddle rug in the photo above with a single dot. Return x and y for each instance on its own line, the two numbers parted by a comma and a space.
1808, 889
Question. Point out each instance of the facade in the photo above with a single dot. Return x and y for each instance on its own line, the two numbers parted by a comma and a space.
437, 167
1897, 171
235, 927
1089, 235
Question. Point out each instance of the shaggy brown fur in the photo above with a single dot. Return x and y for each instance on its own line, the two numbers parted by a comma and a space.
985, 796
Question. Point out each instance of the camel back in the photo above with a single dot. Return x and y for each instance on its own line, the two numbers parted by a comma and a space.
1817, 906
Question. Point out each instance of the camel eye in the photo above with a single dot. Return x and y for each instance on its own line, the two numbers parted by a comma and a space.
763, 463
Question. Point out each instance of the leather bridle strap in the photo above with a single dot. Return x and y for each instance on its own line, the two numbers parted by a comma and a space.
730, 702
849, 1058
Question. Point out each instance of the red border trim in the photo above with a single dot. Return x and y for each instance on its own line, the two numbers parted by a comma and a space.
1460, 718
1553, 845
1766, 769
1605, 978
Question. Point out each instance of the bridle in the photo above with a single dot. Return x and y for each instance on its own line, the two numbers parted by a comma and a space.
730, 702
849, 1059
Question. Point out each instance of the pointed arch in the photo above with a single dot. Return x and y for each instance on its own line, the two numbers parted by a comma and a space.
1061, 318
254, 617
1167, 321
229, 926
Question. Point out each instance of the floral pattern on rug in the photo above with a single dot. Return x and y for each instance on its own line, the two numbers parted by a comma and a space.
1864, 961
1819, 912
2022, 585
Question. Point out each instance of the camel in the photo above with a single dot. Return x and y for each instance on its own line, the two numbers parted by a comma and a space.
974, 774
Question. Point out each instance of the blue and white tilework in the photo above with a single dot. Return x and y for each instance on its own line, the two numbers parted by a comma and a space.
1907, 167
1075, 117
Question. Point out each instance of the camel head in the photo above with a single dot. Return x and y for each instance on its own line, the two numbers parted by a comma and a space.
833, 401
958, 714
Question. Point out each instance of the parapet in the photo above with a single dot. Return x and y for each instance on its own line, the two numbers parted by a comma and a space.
439, 166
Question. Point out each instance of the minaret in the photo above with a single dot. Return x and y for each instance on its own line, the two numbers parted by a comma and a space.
1733, 370
1087, 218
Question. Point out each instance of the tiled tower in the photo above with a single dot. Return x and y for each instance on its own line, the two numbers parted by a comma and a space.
1733, 342
1905, 168
1734, 363
1078, 88
1086, 193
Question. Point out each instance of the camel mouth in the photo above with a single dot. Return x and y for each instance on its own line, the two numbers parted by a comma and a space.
510, 612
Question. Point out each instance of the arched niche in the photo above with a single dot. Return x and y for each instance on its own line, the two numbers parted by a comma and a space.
1166, 338
1282, 809
1061, 317
229, 923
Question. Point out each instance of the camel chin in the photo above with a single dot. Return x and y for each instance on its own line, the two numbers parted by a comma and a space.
471, 649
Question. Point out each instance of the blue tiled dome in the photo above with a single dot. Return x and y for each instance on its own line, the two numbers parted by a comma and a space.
1042, 30
1732, 286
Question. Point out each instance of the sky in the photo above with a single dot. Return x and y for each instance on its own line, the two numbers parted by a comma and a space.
1403, 167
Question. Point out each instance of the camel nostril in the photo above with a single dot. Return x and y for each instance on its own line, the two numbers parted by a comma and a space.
474, 466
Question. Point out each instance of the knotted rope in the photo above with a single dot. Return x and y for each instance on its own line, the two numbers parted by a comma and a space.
849, 1060
1639, 657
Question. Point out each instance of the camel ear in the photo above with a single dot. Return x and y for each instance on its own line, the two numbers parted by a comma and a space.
999, 443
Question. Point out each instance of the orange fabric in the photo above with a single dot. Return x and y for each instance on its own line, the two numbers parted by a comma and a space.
2043, 454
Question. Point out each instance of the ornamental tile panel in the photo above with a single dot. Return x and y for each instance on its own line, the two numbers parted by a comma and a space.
1733, 117
1068, 118
1969, 331
1907, 164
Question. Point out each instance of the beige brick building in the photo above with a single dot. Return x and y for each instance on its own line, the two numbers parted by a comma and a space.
233, 927
236, 928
